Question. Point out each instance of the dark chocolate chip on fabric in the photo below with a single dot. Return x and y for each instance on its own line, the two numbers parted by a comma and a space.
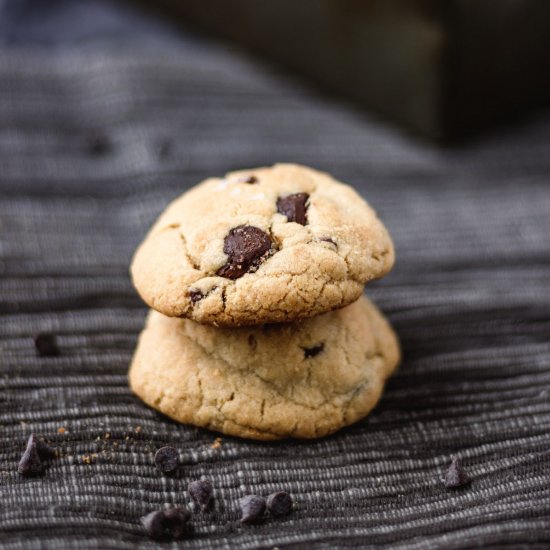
195, 295
45, 452
166, 524
153, 524
313, 351
456, 476
167, 459
31, 462
246, 246
175, 522
164, 148
248, 179
279, 504
46, 344
201, 492
294, 207
98, 143
252, 508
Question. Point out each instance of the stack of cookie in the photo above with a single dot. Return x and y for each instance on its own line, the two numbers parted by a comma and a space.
259, 327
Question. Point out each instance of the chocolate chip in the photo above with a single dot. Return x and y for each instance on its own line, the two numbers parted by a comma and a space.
328, 240
248, 179
313, 351
164, 148
246, 246
201, 492
195, 295
279, 504
456, 476
98, 143
175, 521
31, 461
154, 524
294, 207
166, 523
167, 459
46, 345
45, 452
252, 508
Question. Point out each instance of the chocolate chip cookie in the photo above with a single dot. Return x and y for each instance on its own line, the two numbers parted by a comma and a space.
300, 380
267, 245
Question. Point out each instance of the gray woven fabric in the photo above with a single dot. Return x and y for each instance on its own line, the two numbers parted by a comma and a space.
94, 143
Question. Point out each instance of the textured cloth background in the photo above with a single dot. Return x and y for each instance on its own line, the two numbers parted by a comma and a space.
94, 142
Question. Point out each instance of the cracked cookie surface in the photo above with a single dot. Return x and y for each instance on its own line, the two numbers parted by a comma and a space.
303, 380
264, 245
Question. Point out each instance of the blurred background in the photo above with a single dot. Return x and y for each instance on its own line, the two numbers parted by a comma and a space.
445, 69
436, 111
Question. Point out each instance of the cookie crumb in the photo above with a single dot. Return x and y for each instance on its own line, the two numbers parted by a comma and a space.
167, 459
252, 508
217, 443
279, 504
456, 476
46, 344
201, 492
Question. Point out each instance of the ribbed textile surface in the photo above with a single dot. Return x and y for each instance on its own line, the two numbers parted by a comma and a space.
94, 143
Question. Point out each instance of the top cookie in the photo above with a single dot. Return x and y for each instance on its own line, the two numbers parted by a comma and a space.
260, 246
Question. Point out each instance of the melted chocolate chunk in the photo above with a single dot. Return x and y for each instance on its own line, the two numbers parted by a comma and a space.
46, 344
167, 459
195, 295
313, 351
248, 179
456, 476
294, 207
252, 508
168, 524
279, 504
246, 247
201, 491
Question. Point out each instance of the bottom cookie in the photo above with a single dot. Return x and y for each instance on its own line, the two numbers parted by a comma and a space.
302, 380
